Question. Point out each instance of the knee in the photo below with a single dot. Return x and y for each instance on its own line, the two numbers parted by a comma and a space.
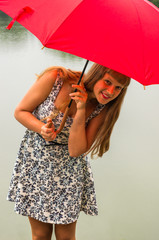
64, 236
42, 235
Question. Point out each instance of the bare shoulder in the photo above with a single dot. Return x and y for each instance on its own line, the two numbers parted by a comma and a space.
44, 83
48, 77
39, 91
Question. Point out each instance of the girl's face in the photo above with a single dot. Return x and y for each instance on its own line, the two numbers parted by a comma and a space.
106, 89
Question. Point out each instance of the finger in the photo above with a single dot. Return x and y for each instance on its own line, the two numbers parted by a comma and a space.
49, 123
45, 136
48, 138
51, 137
78, 99
81, 88
79, 94
48, 131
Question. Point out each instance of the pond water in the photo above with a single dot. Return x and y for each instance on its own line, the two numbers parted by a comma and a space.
126, 178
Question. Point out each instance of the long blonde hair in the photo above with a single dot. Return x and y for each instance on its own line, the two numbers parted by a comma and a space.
112, 109
66, 74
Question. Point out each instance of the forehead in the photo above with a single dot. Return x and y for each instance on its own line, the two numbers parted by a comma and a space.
109, 77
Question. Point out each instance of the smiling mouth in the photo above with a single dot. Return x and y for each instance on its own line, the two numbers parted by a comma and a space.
105, 96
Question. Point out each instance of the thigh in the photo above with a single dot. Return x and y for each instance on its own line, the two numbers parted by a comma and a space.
40, 230
65, 231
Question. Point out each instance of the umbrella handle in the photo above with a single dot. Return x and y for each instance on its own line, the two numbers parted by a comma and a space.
62, 122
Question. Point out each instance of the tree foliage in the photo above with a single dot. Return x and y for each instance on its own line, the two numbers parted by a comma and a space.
155, 2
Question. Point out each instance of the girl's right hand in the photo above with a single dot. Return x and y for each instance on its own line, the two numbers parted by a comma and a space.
80, 96
48, 131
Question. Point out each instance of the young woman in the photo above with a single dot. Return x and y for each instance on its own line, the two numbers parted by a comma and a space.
52, 179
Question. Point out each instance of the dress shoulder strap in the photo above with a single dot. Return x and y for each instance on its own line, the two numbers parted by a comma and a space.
97, 110
57, 86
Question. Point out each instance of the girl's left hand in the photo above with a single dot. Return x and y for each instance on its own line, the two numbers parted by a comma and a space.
80, 96
48, 131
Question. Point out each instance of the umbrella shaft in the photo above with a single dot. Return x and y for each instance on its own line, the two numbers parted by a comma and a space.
79, 81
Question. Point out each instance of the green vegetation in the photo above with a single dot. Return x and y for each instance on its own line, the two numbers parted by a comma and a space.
155, 2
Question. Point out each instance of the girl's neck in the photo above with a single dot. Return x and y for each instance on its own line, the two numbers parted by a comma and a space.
91, 100
90, 95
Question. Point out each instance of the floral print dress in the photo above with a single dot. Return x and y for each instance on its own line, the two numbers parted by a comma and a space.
47, 184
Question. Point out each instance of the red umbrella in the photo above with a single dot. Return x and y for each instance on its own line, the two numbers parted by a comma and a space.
122, 35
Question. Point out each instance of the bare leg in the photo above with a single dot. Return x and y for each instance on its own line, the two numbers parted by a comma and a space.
40, 230
65, 232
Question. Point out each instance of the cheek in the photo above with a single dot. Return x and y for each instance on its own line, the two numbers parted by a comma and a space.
99, 86
117, 94
95, 89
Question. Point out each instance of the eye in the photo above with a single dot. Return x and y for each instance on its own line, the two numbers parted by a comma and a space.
107, 82
119, 88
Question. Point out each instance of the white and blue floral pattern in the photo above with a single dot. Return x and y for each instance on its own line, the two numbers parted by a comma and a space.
47, 184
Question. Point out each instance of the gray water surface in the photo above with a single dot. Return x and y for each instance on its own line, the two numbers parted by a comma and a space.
126, 178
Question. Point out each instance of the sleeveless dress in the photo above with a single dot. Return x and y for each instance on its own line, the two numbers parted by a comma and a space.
47, 184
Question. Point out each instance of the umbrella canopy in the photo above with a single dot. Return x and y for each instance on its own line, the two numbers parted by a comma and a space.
122, 35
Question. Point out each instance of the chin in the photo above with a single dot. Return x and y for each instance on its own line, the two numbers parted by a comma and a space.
102, 102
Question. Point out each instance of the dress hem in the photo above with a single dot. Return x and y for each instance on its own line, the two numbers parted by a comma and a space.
52, 222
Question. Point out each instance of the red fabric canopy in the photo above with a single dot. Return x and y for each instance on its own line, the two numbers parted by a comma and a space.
122, 35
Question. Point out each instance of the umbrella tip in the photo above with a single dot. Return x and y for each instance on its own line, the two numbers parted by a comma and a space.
42, 47
144, 87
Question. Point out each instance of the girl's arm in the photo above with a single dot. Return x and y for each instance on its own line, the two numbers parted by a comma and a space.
35, 96
81, 138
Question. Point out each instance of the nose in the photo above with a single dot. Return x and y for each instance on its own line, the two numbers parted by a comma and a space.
110, 89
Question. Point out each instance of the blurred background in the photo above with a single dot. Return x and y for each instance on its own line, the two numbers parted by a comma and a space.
126, 178
155, 2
